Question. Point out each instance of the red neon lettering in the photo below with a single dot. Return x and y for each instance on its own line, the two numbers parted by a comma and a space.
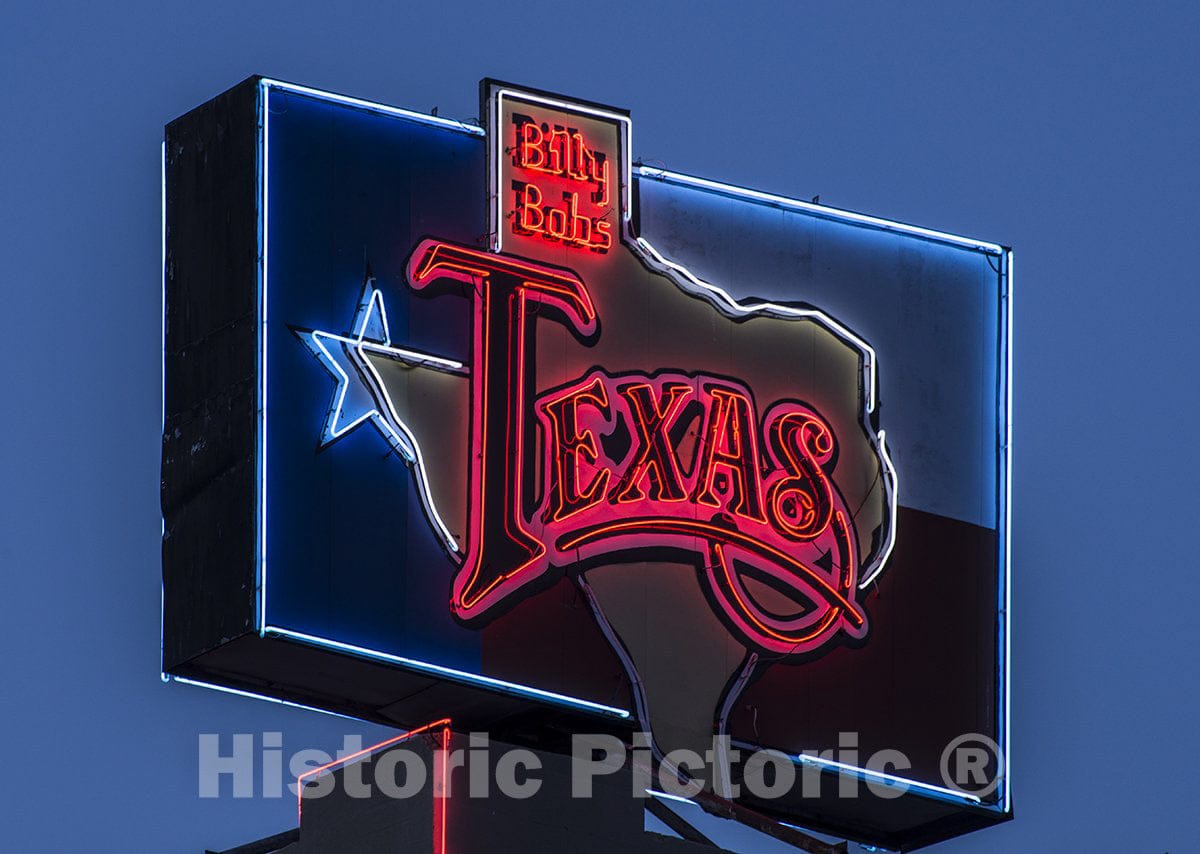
562, 224
557, 146
563, 154
529, 151
777, 517
500, 551
800, 503
730, 448
600, 178
786, 492
581, 226
556, 223
653, 458
529, 213
579, 157
568, 446
603, 235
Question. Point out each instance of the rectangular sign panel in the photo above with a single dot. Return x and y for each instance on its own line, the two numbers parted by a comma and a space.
496, 424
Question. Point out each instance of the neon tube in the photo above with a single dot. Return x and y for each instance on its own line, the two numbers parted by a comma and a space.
451, 673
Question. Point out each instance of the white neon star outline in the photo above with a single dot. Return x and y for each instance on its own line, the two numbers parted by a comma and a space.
367, 398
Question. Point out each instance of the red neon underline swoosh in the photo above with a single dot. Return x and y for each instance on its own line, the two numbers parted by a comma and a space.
706, 531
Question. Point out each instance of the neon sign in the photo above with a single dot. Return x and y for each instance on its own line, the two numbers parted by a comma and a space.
780, 524
560, 185
604, 455
719, 505
613, 462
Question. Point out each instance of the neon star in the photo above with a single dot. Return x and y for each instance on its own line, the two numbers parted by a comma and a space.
361, 397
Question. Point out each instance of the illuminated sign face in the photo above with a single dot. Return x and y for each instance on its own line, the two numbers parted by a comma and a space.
641, 448
595, 439
562, 188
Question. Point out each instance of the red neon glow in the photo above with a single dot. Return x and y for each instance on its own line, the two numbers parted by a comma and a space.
562, 152
799, 503
441, 791
561, 186
574, 449
730, 448
501, 287
655, 459
440, 770
754, 500
564, 223
439, 804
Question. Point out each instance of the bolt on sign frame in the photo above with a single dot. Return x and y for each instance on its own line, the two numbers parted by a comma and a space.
498, 424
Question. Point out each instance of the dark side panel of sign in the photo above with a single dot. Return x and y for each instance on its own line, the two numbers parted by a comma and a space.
650, 448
